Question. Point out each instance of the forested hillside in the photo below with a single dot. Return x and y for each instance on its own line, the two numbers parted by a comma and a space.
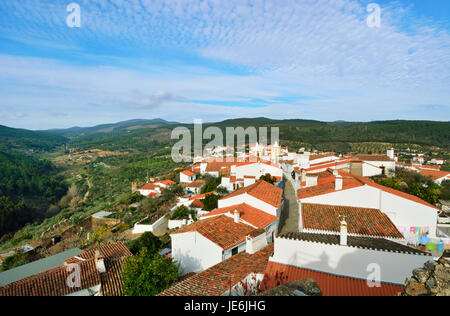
21, 139
326, 136
28, 187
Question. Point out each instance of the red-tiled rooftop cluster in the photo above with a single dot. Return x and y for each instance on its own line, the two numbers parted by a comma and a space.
220, 278
360, 221
261, 190
249, 214
221, 230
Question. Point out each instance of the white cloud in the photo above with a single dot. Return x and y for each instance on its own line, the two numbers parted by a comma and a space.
322, 50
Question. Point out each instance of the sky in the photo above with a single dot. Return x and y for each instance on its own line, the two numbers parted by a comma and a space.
213, 59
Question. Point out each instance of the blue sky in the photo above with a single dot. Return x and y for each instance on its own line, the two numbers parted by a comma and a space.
216, 59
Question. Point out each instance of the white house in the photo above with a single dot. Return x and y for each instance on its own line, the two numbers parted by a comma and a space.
187, 176
195, 186
207, 242
154, 189
437, 161
244, 213
261, 195
436, 175
386, 165
410, 214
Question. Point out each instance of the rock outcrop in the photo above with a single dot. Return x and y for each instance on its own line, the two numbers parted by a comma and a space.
433, 279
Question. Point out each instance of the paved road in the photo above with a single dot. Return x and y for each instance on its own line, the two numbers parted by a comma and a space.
289, 214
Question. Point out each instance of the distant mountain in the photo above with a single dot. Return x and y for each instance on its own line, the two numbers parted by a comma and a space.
144, 135
22, 139
115, 128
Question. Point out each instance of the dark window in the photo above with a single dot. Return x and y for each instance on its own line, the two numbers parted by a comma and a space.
234, 251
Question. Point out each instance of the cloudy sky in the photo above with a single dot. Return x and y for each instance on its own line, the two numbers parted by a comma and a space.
218, 59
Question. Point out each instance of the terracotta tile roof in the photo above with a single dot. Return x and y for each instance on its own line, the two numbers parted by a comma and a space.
218, 279
112, 279
434, 174
218, 166
352, 181
327, 165
188, 173
378, 244
348, 182
113, 250
249, 214
360, 221
196, 184
148, 186
314, 157
53, 282
330, 284
201, 196
221, 230
197, 204
165, 182
374, 157
261, 190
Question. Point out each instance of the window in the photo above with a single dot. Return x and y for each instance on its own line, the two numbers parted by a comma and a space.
234, 251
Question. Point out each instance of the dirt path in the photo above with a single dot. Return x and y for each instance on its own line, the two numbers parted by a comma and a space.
289, 214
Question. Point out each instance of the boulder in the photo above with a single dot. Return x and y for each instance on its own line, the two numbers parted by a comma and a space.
421, 275
414, 288
430, 265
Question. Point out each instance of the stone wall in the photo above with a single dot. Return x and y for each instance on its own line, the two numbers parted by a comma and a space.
433, 279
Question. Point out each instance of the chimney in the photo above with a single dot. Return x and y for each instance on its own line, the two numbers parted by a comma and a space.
343, 234
237, 216
100, 261
338, 183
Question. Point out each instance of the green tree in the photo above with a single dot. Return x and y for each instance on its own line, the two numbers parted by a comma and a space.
268, 178
148, 241
147, 275
181, 212
210, 202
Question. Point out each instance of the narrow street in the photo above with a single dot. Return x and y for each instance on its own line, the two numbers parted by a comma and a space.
289, 214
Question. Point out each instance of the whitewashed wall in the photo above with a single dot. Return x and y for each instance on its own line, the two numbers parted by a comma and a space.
194, 252
141, 228
346, 261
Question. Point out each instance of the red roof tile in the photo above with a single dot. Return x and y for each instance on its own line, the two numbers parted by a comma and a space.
360, 221
218, 279
249, 214
148, 186
165, 182
196, 184
434, 174
188, 173
221, 230
53, 282
348, 182
374, 157
331, 285
261, 190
